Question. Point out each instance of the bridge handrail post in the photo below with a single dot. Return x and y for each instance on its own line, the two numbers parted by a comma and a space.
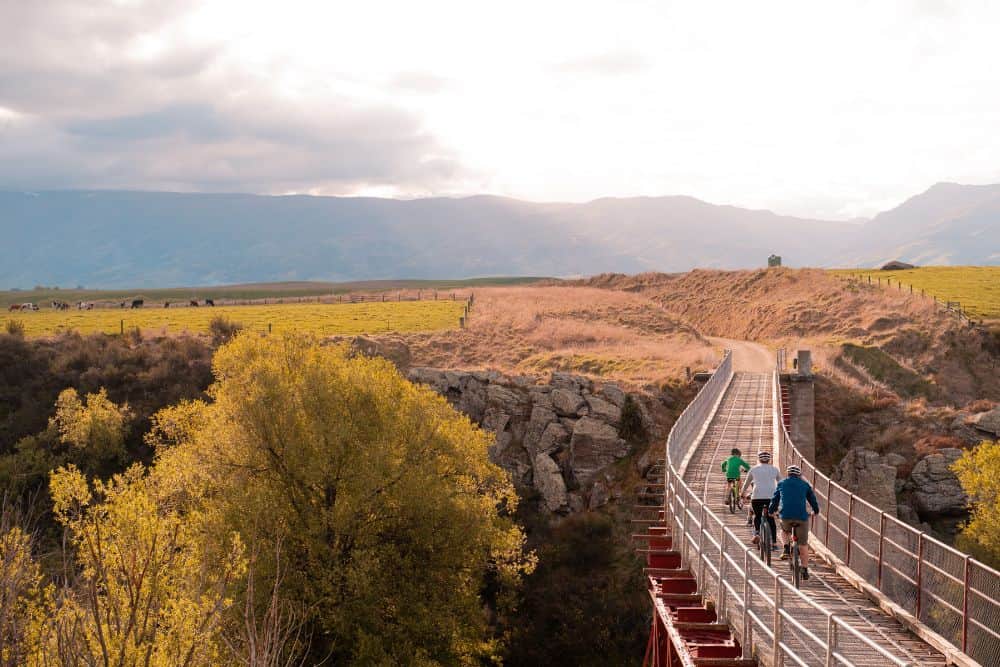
701, 549
920, 572
721, 612
850, 528
685, 562
829, 503
881, 549
831, 640
747, 595
965, 605
778, 602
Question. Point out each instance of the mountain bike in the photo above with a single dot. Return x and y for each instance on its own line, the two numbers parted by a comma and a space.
733, 500
794, 559
766, 539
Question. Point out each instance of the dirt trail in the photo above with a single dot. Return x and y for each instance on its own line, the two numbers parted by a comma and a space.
748, 357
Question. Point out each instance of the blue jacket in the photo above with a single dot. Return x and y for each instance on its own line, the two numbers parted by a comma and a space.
792, 493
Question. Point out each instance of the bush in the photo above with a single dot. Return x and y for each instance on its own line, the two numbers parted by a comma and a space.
632, 428
15, 328
223, 329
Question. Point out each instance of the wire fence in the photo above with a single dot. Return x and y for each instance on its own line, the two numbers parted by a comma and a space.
763, 609
946, 590
944, 303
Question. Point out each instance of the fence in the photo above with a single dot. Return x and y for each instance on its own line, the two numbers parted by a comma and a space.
352, 297
951, 593
954, 307
748, 595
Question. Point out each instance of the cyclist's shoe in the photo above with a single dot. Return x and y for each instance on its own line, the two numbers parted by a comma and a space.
756, 539
786, 553
805, 573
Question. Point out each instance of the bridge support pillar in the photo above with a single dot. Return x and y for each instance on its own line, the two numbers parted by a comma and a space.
799, 392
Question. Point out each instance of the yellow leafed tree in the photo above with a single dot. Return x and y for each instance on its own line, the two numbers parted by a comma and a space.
390, 514
977, 471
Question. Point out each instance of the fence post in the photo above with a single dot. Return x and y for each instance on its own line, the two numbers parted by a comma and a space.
122, 323
850, 529
701, 547
965, 606
684, 538
268, 327
881, 547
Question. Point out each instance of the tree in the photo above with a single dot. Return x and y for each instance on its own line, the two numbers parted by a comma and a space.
20, 578
95, 426
976, 470
381, 495
150, 584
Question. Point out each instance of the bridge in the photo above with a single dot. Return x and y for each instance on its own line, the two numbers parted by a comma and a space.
880, 592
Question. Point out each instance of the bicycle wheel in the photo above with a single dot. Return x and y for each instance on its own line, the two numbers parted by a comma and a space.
765, 541
796, 566
731, 501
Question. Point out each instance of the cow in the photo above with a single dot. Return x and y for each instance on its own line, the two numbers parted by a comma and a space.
209, 302
166, 304
193, 303
137, 303
14, 306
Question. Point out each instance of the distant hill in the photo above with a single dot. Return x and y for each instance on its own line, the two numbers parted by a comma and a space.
147, 239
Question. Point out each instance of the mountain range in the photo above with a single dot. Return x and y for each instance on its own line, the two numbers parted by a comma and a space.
148, 239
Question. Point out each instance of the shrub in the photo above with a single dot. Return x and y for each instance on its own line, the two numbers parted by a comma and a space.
633, 428
15, 328
223, 329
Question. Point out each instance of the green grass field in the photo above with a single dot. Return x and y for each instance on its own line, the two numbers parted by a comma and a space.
319, 318
45, 295
977, 288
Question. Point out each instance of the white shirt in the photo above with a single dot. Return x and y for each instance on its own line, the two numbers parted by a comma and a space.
764, 478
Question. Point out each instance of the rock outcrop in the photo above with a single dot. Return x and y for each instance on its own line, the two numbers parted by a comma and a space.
988, 422
555, 439
869, 475
935, 488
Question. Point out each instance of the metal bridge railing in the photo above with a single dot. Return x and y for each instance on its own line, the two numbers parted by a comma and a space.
748, 595
949, 592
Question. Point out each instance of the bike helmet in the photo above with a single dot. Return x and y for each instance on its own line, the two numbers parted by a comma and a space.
736, 452
764, 456
793, 470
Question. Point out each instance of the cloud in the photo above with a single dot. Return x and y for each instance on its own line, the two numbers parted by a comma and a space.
419, 82
112, 97
609, 63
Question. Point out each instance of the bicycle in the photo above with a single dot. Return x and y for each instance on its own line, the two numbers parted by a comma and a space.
794, 560
765, 539
733, 500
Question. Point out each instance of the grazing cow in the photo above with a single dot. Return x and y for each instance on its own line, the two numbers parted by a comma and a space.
28, 306
137, 303
14, 306
194, 303
121, 305
209, 302
166, 304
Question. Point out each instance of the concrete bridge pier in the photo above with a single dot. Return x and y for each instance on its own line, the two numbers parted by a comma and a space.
799, 399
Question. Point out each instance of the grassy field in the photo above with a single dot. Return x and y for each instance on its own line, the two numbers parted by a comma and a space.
44, 295
323, 319
977, 288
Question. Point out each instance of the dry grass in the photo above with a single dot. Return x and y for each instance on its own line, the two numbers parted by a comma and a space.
608, 333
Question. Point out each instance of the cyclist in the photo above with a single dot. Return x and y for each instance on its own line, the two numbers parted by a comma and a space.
792, 494
732, 467
763, 477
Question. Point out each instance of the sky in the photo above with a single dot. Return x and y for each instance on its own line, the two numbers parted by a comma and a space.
826, 110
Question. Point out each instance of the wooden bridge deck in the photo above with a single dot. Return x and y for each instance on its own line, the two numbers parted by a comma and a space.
745, 419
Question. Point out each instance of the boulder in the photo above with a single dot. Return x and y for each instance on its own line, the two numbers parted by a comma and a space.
606, 410
541, 417
613, 394
866, 473
936, 490
549, 483
987, 422
567, 403
574, 383
505, 399
554, 437
593, 445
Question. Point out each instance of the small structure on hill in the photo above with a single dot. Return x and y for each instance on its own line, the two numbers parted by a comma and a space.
774, 260
896, 265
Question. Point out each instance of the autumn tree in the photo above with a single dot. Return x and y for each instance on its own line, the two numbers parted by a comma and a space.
95, 426
20, 581
389, 512
977, 472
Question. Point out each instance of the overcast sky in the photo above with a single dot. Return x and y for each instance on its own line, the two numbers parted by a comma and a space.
833, 110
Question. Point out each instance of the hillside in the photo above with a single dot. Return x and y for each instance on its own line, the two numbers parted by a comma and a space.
152, 239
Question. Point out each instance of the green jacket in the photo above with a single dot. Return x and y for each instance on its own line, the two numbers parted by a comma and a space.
732, 466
